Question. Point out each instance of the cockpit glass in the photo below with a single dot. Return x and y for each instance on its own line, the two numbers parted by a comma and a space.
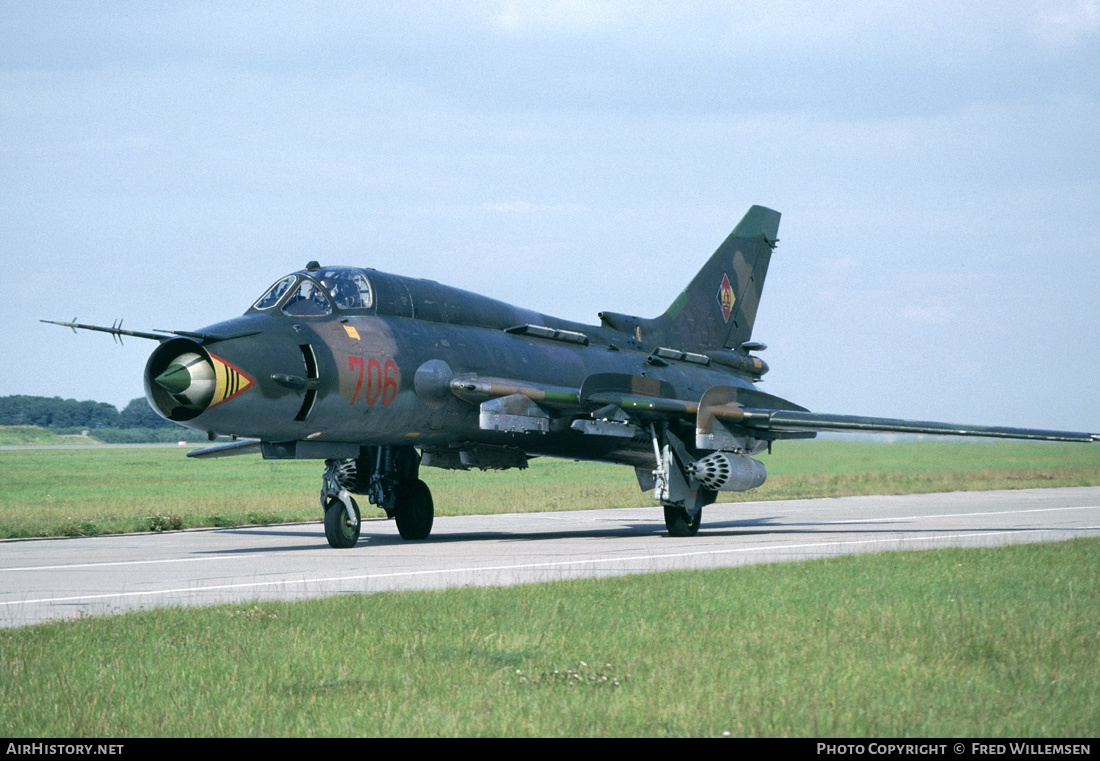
348, 287
274, 293
307, 301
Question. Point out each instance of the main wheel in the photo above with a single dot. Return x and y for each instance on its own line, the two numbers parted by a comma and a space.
414, 510
339, 531
678, 522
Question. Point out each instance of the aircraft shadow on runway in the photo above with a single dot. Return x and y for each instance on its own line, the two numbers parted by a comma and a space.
731, 528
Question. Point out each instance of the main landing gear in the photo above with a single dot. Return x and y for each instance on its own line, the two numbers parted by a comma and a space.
390, 477
680, 523
675, 485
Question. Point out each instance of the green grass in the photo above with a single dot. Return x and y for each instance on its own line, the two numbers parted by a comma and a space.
32, 435
948, 643
95, 491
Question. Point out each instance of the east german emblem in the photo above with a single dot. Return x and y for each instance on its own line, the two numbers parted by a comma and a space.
726, 297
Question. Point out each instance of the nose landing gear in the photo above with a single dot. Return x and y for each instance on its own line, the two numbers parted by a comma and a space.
414, 510
389, 476
342, 522
340, 508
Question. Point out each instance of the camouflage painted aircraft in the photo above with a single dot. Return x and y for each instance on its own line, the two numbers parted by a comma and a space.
379, 374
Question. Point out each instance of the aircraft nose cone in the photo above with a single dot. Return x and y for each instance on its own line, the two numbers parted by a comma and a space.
175, 380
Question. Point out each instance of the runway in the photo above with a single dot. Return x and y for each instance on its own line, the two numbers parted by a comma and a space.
48, 579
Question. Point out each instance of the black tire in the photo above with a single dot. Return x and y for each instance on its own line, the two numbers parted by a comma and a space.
414, 511
338, 529
678, 523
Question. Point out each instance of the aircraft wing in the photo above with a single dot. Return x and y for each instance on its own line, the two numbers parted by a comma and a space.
621, 405
794, 420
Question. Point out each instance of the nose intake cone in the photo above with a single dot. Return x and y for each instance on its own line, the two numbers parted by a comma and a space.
190, 380
174, 380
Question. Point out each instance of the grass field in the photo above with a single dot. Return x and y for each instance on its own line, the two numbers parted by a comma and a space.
948, 643
32, 435
93, 491
993, 642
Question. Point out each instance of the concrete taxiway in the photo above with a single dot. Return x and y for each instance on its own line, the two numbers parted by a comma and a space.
47, 579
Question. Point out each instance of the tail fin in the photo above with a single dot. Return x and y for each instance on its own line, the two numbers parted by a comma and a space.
718, 308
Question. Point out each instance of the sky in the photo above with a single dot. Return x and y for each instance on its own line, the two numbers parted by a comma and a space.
937, 165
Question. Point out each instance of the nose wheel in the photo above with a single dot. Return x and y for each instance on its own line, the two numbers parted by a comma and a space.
342, 522
341, 509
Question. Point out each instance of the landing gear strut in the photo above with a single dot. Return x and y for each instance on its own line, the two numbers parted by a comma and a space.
681, 495
390, 477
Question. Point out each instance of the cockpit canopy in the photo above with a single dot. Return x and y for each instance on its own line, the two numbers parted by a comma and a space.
315, 292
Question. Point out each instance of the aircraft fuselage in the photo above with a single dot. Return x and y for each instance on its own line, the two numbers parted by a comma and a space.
369, 379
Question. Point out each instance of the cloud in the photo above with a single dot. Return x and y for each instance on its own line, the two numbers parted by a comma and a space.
526, 207
928, 314
1069, 23
563, 16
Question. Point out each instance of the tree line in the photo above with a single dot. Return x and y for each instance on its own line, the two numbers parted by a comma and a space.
69, 415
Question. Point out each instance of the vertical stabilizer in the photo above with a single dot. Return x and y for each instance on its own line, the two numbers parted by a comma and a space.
718, 308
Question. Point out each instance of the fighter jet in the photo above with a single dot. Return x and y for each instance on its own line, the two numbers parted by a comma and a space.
379, 374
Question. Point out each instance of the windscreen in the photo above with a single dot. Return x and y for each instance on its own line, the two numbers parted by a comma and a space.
274, 293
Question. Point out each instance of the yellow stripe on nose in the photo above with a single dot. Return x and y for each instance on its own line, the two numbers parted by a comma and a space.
230, 381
